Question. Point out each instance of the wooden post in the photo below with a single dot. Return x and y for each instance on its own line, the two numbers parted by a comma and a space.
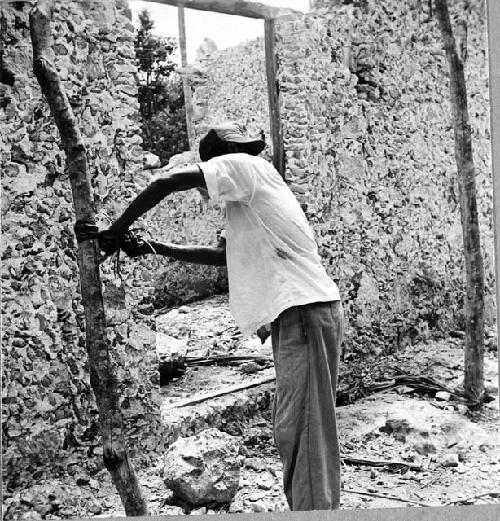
474, 271
274, 97
188, 102
493, 11
102, 374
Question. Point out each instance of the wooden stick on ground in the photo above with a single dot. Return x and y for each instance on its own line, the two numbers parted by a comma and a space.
102, 375
350, 460
493, 493
385, 496
220, 392
226, 359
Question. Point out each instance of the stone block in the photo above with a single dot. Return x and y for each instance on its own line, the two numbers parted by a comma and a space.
204, 468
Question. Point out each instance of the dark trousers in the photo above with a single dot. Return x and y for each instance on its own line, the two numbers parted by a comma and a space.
306, 347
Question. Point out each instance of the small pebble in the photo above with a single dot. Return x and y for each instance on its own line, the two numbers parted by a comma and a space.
449, 460
258, 506
95, 508
32, 515
271, 470
27, 499
250, 367
443, 396
235, 507
265, 484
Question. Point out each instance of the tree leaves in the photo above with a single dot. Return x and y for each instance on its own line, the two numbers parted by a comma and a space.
160, 96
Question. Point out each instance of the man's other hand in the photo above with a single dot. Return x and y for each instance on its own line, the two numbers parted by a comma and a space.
134, 245
263, 332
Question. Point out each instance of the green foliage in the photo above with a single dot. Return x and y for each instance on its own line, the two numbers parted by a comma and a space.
161, 96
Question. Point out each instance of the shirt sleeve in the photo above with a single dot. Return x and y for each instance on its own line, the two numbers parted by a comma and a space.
229, 178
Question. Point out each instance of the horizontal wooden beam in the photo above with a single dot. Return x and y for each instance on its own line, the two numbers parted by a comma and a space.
233, 7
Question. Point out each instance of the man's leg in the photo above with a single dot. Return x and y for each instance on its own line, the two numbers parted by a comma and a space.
306, 347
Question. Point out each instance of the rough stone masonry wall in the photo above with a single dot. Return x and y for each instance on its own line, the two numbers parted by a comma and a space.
369, 152
369, 149
231, 85
49, 416
349, 136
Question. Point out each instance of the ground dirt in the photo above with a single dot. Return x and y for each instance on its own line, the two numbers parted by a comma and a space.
401, 424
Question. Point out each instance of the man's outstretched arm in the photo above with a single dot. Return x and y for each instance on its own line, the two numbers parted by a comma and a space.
210, 255
177, 181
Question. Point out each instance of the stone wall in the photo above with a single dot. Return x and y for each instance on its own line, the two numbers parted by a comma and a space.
49, 415
231, 85
369, 153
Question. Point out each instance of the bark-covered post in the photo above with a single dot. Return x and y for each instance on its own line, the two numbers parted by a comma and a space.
188, 102
493, 17
474, 298
102, 374
274, 96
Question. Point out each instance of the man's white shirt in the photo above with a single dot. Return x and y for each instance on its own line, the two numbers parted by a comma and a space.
272, 258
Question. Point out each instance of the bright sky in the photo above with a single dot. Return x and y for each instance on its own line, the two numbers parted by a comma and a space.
225, 30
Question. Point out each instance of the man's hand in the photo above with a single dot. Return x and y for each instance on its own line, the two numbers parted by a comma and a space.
109, 242
129, 242
135, 246
263, 332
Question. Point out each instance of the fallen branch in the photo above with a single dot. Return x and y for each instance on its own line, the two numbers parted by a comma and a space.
102, 374
221, 392
433, 480
495, 494
176, 367
385, 496
418, 382
349, 460
225, 359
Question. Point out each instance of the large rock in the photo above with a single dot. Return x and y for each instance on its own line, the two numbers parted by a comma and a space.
204, 468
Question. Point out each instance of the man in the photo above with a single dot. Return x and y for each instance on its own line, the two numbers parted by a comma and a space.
275, 277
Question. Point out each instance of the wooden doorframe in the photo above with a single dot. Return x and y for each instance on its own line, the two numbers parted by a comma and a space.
251, 10
273, 91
